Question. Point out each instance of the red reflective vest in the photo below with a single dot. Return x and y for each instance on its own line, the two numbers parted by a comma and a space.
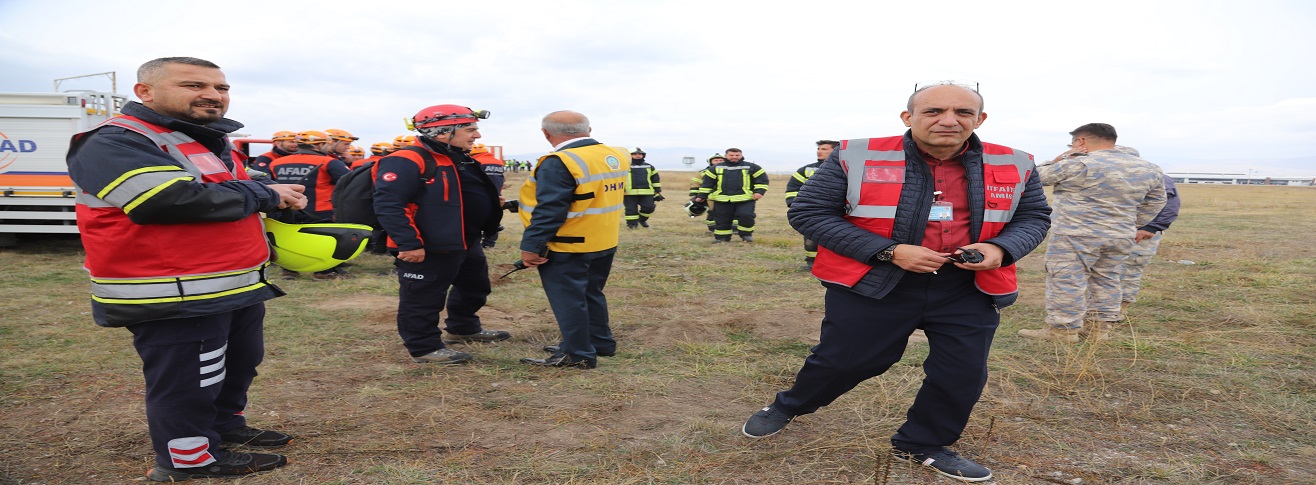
873, 192
142, 272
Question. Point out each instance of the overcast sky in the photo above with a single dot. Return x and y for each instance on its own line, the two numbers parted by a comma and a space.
1196, 86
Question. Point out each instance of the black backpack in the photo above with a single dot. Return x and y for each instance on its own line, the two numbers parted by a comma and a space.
354, 194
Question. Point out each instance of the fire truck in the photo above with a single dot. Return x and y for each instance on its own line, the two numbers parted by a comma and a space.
36, 194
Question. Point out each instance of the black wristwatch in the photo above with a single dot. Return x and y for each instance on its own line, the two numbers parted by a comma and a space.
886, 254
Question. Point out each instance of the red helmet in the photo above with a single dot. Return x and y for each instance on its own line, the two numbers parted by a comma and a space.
445, 115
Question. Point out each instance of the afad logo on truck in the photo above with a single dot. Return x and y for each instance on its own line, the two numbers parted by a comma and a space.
10, 149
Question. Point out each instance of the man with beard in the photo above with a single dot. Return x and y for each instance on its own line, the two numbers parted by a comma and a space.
735, 185
177, 254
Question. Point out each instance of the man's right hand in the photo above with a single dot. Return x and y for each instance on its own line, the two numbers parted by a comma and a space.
1143, 236
412, 256
918, 259
290, 195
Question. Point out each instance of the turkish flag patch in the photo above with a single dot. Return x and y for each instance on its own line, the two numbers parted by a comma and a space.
389, 176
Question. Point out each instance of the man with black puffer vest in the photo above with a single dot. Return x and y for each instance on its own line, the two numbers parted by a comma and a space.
915, 231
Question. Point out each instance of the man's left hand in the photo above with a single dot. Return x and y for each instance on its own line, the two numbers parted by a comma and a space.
1143, 236
532, 259
658, 198
757, 196
992, 255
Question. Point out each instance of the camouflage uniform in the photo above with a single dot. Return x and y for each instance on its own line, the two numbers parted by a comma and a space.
1131, 278
1100, 199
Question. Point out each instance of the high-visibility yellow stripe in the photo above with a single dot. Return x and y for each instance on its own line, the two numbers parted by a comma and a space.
131, 173
171, 279
150, 193
117, 301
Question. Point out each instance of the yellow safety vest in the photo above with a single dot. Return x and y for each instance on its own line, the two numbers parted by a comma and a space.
593, 220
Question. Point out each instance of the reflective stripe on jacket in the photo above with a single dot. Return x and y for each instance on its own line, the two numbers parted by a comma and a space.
142, 272
875, 175
596, 208
643, 179
733, 182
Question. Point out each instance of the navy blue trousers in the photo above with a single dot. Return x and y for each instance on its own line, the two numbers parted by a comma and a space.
862, 337
423, 291
737, 215
197, 373
573, 283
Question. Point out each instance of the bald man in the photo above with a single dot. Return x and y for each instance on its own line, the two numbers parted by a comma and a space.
572, 207
931, 245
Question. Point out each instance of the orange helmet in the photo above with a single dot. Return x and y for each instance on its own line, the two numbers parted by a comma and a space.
283, 136
356, 150
340, 135
382, 148
479, 148
312, 137
404, 140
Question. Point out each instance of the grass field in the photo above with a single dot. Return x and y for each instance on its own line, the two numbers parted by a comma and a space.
1212, 383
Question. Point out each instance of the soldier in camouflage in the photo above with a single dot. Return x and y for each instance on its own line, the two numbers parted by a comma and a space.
1101, 197
1146, 242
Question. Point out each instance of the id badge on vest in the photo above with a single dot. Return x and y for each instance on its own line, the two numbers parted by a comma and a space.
941, 210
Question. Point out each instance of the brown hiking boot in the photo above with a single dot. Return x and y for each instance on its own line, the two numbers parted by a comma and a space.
1066, 335
1097, 330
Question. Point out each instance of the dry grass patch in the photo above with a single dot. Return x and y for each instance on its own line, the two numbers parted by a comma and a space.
1210, 383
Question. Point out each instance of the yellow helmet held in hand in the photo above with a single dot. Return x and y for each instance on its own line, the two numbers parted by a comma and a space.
307, 248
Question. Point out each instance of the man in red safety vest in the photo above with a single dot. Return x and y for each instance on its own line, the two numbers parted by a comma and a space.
919, 231
177, 254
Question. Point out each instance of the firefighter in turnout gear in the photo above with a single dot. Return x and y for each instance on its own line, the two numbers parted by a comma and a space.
698, 180
643, 188
735, 185
825, 148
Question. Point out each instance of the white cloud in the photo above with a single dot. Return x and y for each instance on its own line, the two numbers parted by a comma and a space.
1191, 79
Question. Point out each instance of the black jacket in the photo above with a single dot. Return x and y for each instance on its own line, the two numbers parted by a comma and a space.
819, 212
